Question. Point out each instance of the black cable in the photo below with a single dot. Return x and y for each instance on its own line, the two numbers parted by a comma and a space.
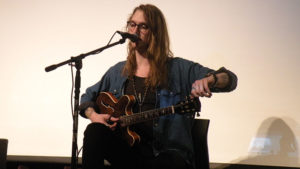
111, 38
72, 91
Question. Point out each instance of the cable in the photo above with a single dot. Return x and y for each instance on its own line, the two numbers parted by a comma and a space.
72, 90
111, 38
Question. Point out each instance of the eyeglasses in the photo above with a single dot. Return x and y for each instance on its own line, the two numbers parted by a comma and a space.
142, 26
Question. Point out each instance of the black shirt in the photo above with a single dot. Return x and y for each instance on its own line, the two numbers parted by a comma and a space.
147, 98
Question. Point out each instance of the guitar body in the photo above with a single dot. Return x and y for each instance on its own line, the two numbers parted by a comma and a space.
122, 109
109, 104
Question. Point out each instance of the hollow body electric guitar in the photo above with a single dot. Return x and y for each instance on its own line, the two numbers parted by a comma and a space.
122, 109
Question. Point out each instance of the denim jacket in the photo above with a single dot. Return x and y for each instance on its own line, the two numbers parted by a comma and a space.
171, 132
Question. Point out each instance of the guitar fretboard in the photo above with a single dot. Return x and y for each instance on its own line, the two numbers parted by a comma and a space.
128, 120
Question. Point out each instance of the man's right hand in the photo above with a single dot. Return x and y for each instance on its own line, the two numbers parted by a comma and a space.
105, 119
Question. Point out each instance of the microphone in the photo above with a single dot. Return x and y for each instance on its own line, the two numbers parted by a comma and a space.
132, 37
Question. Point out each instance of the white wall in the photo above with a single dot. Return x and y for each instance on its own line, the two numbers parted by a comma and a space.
258, 123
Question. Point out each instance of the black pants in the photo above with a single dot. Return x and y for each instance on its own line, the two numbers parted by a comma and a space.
101, 143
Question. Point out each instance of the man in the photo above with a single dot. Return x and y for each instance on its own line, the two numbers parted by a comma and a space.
156, 80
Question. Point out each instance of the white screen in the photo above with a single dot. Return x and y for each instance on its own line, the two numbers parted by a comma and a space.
258, 123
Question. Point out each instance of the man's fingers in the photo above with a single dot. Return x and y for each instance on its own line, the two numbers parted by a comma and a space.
114, 119
200, 89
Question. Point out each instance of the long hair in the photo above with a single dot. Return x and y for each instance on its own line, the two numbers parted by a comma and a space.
158, 51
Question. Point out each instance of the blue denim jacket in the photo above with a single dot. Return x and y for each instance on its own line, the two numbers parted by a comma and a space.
171, 132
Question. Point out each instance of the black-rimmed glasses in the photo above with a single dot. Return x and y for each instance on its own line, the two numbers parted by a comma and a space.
142, 26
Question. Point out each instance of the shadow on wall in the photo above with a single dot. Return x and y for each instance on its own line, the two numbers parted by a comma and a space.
275, 144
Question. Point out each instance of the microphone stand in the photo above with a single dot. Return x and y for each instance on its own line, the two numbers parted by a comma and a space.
78, 65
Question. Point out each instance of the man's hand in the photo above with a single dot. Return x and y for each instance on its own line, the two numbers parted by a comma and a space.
200, 88
105, 119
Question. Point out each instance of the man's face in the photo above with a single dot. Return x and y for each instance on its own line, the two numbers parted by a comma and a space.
138, 25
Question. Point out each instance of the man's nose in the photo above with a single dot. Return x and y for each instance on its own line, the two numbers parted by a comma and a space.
136, 30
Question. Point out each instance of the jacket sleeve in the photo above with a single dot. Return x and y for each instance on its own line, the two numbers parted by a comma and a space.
197, 71
192, 71
88, 99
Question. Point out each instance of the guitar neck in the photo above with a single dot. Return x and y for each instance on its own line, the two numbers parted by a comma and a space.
128, 120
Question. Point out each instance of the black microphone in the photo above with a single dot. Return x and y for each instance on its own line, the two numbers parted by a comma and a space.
132, 37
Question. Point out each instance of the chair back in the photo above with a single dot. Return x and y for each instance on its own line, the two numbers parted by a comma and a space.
199, 134
3, 153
